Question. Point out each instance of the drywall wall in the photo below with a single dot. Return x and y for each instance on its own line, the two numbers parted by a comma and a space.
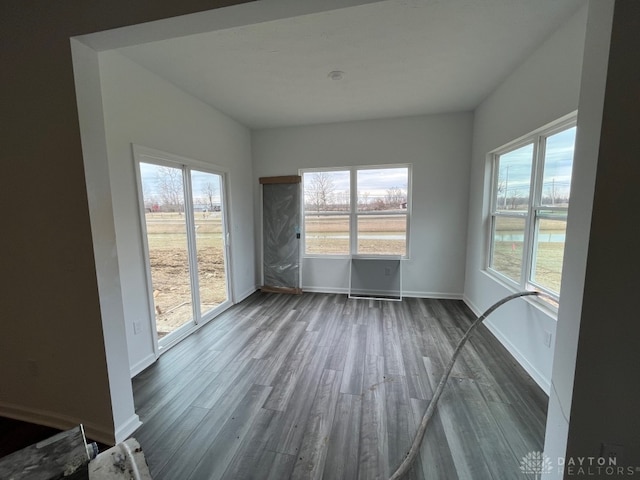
54, 368
594, 75
437, 146
544, 88
141, 108
88, 92
606, 389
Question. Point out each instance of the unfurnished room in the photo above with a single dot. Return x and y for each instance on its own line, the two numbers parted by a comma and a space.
348, 239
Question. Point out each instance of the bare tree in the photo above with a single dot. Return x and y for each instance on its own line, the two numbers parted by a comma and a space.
319, 192
516, 199
211, 191
169, 184
343, 199
364, 200
395, 196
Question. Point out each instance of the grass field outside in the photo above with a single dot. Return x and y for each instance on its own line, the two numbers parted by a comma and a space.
549, 251
324, 234
167, 240
377, 234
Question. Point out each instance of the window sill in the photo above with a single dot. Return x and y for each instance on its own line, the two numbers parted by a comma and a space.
349, 257
540, 304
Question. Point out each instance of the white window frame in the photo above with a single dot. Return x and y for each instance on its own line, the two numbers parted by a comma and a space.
353, 212
142, 154
535, 209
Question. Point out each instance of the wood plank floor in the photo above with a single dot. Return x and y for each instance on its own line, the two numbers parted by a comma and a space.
322, 386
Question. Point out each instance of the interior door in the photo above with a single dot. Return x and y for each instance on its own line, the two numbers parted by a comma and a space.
281, 233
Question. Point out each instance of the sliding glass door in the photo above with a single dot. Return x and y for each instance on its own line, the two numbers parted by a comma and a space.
209, 240
186, 249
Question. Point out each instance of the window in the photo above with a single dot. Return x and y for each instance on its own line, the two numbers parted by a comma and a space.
182, 212
357, 210
529, 203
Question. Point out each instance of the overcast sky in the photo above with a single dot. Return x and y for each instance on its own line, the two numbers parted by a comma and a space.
374, 181
515, 166
149, 174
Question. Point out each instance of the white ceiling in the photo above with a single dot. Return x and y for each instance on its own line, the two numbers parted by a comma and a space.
399, 57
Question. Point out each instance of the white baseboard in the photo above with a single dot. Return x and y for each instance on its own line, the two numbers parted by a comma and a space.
436, 295
413, 294
533, 372
471, 305
538, 377
142, 364
240, 297
337, 290
99, 433
125, 430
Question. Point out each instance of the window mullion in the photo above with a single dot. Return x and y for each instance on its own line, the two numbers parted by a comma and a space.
353, 208
191, 243
494, 184
544, 220
534, 200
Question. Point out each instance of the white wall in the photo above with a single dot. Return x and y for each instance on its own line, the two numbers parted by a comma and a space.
544, 88
438, 146
141, 108
594, 76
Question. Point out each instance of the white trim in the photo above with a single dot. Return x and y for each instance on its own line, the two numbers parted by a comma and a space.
143, 364
537, 139
374, 295
477, 312
432, 295
412, 294
537, 302
353, 212
542, 381
142, 154
127, 429
533, 372
246, 294
548, 129
171, 159
150, 320
332, 290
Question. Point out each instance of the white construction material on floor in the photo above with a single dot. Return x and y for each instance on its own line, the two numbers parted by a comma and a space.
125, 461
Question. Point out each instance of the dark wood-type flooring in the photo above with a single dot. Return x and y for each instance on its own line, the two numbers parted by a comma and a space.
322, 386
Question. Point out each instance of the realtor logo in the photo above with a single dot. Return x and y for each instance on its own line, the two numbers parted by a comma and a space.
536, 463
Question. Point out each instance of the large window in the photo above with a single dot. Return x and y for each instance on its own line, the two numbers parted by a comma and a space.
182, 205
357, 210
529, 203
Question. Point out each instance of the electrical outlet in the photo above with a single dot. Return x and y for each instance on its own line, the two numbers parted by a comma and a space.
547, 339
137, 327
612, 453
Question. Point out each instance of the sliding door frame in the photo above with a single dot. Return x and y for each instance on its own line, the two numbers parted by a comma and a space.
143, 154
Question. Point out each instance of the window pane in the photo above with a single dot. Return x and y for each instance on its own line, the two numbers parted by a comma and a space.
326, 191
207, 218
326, 234
383, 189
558, 163
549, 253
513, 183
508, 240
163, 196
382, 234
